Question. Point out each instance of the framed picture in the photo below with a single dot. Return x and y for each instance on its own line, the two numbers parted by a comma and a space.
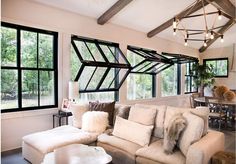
65, 105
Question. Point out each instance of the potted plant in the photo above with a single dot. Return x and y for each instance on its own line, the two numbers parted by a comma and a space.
204, 76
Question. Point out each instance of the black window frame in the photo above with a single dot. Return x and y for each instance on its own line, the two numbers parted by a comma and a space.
218, 59
117, 65
20, 68
191, 76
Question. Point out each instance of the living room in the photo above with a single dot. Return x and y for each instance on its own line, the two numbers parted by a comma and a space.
69, 23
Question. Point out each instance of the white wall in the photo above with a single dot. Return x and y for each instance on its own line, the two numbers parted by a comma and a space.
28, 13
221, 53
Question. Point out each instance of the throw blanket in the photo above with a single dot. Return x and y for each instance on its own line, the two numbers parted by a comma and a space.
175, 127
49, 140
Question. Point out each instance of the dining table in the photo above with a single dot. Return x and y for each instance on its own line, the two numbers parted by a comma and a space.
230, 106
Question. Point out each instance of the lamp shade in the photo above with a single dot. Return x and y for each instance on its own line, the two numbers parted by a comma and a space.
73, 90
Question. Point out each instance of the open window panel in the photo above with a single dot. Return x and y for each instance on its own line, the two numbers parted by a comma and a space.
179, 58
101, 66
147, 61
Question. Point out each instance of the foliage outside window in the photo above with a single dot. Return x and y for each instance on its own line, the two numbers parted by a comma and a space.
190, 85
170, 81
140, 85
99, 67
220, 66
28, 68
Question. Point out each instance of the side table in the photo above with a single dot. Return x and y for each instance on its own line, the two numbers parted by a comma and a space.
61, 114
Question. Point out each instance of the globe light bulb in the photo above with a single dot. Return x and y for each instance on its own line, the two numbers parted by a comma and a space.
222, 39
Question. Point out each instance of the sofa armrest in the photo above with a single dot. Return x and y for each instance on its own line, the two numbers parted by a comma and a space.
202, 151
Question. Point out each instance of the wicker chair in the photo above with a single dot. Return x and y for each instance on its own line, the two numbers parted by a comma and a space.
193, 104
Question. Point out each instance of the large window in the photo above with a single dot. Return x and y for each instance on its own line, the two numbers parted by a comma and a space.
170, 80
28, 68
99, 67
190, 86
220, 66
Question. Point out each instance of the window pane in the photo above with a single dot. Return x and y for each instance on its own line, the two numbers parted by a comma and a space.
108, 81
28, 49
45, 51
84, 78
47, 88
96, 78
139, 86
75, 64
8, 46
109, 52
94, 96
29, 88
84, 52
221, 67
9, 89
96, 53
169, 81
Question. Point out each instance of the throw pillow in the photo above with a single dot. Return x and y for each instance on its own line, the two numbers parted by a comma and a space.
105, 107
143, 114
121, 111
192, 132
77, 112
202, 112
176, 125
95, 121
132, 131
159, 122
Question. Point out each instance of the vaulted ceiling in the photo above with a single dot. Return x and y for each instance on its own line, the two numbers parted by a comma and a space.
146, 15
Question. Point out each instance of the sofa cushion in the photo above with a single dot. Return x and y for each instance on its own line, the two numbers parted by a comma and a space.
202, 112
132, 131
95, 121
143, 114
77, 112
159, 121
121, 111
155, 152
108, 107
120, 143
192, 132
49, 140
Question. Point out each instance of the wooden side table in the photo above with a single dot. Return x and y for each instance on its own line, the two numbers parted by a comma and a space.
223, 157
60, 115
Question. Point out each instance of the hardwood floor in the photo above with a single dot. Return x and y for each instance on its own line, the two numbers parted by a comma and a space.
15, 156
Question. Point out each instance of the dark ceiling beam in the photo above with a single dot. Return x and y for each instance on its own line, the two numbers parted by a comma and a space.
227, 7
119, 5
229, 24
182, 14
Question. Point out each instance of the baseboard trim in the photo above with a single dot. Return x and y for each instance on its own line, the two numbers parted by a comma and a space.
8, 152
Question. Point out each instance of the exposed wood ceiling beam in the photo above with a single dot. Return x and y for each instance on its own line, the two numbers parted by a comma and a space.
168, 23
229, 24
119, 5
227, 7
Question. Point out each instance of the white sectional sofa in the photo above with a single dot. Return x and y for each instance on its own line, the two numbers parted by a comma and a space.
125, 151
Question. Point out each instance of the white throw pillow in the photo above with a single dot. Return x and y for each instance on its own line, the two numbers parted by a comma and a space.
77, 112
132, 131
192, 133
143, 114
202, 112
95, 121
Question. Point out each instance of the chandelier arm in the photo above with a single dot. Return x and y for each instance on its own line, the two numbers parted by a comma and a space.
190, 7
203, 7
213, 25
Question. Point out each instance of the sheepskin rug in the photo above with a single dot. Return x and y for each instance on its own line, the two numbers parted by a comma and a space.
172, 132
95, 121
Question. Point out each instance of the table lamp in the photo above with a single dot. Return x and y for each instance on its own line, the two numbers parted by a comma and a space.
73, 91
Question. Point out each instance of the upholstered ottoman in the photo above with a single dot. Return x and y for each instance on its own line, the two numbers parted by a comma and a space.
35, 146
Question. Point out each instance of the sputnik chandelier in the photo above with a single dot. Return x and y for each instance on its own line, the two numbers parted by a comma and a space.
206, 33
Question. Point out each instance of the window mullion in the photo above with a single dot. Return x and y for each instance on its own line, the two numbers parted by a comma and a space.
38, 69
18, 54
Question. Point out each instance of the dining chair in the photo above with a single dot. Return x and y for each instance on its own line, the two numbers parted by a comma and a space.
216, 111
193, 103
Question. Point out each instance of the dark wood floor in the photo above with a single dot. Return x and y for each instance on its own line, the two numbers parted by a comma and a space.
15, 157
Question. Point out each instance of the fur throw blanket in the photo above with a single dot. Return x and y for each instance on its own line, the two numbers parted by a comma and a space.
172, 132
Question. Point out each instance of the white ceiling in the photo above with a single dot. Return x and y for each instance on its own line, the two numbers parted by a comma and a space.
145, 15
